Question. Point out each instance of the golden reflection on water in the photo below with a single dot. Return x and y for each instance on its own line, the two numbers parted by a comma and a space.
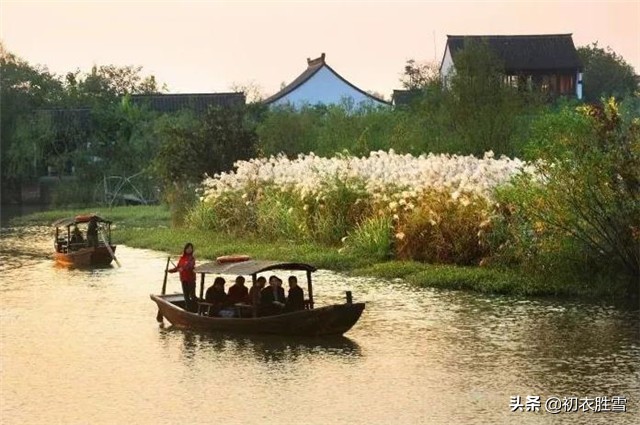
83, 347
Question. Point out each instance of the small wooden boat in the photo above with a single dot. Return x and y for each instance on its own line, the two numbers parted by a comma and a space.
312, 321
73, 248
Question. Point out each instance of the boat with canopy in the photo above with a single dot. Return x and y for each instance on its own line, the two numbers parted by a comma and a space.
83, 240
335, 319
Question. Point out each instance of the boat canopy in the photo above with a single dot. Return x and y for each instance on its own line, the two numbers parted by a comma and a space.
84, 218
250, 267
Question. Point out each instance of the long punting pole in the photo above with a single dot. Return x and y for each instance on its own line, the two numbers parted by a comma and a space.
107, 245
164, 288
166, 274
201, 285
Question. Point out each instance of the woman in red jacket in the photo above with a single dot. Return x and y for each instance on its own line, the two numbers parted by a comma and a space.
185, 266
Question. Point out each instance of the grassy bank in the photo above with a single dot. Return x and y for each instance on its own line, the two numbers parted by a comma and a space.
149, 227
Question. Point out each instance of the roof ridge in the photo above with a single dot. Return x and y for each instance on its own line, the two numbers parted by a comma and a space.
189, 94
525, 51
317, 61
313, 66
568, 34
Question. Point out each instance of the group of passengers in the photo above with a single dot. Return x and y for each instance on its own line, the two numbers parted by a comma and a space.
92, 235
264, 300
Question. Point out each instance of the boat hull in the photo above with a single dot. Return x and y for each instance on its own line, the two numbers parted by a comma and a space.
85, 257
329, 320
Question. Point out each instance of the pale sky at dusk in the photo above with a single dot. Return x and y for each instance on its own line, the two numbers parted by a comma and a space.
206, 46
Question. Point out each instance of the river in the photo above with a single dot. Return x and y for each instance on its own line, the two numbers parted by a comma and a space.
83, 347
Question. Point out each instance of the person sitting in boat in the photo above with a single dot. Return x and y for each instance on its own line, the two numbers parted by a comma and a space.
216, 296
238, 293
295, 299
272, 297
76, 236
254, 292
92, 232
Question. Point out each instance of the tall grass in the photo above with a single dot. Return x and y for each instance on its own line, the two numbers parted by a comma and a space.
428, 208
150, 227
440, 229
372, 238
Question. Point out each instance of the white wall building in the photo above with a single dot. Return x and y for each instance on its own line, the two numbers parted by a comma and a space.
320, 84
547, 62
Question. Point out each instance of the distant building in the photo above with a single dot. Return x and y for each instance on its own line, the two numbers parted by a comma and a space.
320, 84
405, 97
196, 102
549, 63
199, 103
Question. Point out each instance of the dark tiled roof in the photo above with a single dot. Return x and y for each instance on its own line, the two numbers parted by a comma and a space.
164, 103
405, 97
313, 66
197, 102
525, 52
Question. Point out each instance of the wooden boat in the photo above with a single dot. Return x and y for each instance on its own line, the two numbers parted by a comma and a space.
82, 250
312, 321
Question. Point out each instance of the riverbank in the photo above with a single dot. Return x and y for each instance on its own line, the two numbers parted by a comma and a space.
150, 227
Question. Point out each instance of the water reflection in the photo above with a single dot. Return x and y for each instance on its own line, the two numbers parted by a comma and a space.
263, 348
415, 356
22, 248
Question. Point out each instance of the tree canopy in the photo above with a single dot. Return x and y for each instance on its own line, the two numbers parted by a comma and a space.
418, 75
27, 137
606, 74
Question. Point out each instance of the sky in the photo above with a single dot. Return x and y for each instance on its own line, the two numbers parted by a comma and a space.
210, 46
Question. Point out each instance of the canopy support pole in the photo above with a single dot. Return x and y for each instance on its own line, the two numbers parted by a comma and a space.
254, 307
310, 289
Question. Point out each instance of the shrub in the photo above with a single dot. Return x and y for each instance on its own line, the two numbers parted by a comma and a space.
202, 216
278, 216
440, 203
71, 192
340, 207
372, 238
586, 200
180, 197
442, 228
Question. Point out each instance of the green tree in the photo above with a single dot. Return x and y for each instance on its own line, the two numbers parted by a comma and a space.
84, 120
33, 136
606, 74
482, 109
110, 81
286, 130
23, 89
586, 193
121, 140
192, 148
418, 75
251, 89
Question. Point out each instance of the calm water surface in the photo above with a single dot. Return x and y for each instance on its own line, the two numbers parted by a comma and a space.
83, 347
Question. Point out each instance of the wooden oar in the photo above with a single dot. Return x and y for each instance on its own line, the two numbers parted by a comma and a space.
164, 288
108, 245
